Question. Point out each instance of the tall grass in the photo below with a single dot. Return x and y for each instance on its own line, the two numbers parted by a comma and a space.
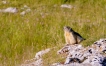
22, 36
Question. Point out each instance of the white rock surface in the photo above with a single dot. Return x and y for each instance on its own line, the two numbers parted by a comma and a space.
66, 6
89, 56
23, 13
41, 53
9, 10
37, 61
4, 2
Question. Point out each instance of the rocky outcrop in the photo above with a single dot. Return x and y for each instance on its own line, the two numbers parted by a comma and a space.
77, 55
37, 61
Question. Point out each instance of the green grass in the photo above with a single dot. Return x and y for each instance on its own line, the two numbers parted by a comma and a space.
22, 36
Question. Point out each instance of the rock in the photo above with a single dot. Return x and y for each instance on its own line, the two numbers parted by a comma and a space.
95, 59
71, 64
69, 48
66, 6
77, 55
56, 64
9, 10
4, 2
25, 6
28, 10
89, 56
41, 53
25, 9
35, 63
23, 13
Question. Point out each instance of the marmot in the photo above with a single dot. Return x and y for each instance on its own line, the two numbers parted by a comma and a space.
72, 37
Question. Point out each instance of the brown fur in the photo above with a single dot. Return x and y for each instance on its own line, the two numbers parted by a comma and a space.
72, 37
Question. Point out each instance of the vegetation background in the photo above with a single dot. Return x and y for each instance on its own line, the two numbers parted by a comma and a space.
22, 36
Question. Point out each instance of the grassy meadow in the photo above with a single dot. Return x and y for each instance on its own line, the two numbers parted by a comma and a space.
22, 36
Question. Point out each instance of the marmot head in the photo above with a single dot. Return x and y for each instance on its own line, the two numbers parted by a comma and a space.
67, 28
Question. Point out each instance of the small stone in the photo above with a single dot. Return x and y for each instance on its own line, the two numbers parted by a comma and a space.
23, 13
28, 10
9, 10
4, 2
66, 6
